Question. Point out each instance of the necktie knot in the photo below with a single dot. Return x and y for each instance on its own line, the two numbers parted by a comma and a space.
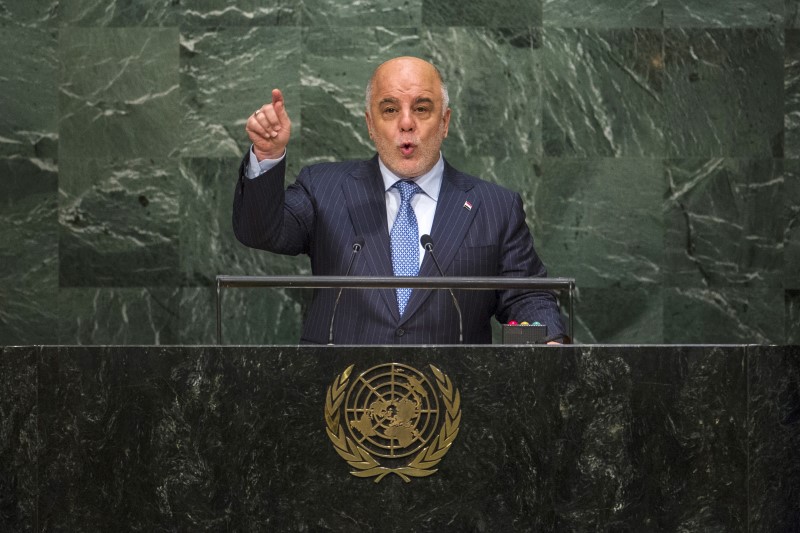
407, 190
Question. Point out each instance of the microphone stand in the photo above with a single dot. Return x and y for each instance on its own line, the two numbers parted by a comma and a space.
427, 243
359, 242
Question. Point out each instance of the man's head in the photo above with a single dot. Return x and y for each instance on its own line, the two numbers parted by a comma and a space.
407, 115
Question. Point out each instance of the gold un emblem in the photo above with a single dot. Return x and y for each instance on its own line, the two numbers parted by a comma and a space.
392, 420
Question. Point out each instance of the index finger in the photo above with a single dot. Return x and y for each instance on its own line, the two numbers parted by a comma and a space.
279, 105
277, 97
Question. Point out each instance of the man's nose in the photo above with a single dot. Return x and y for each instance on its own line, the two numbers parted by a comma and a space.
406, 121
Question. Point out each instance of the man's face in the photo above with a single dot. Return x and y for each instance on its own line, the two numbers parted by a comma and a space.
405, 117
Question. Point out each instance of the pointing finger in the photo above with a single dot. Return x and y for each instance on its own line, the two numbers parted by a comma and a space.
279, 105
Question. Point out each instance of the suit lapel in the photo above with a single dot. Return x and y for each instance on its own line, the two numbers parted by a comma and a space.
366, 204
455, 211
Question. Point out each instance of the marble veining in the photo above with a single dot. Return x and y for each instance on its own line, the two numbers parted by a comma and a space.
28, 265
791, 88
119, 223
721, 225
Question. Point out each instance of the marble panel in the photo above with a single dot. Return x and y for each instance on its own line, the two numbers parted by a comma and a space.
225, 13
337, 63
721, 224
29, 254
228, 73
603, 14
603, 92
19, 439
30, 13
791, 236
724, 92
515, 173
679, 419
118, 92
662, 13
92, 316
712, 14
724, 315
791, 97
617, 315
106, 426
118, 222
128, 13
792, 317
492, 77
599, 220
361, 14
28, 93
774, 430
792, 14
498, 14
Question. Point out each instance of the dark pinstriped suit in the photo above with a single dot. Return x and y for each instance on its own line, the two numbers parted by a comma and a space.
331, 203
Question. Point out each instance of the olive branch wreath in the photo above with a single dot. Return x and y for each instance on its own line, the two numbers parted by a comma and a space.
362, 461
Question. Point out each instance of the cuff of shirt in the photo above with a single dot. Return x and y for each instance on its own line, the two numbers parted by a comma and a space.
255, 168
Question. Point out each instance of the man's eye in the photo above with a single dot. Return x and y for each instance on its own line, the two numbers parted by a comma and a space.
389, 110
422, 109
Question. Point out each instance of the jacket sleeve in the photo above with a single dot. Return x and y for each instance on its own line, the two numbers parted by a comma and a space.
267, 217
518, 258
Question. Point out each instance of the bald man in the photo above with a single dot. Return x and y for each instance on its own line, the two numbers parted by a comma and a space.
406, 190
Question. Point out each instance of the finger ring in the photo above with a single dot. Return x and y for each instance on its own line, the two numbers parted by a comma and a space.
257, 112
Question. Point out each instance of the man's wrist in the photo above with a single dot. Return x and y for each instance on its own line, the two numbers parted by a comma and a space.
255, 167
261, 156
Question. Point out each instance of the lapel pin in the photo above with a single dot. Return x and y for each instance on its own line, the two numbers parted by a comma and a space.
468, 205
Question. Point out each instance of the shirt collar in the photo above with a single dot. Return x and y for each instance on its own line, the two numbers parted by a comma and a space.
430, 182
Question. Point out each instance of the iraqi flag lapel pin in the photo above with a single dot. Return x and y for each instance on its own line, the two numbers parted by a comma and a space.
468, 205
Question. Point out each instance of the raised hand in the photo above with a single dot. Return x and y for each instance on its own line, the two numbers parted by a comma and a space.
269, 128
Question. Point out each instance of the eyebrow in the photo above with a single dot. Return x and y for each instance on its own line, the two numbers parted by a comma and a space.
420, 100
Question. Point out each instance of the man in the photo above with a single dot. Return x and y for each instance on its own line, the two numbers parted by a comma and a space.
478, 228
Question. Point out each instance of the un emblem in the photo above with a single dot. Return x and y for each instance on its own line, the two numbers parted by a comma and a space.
392, 420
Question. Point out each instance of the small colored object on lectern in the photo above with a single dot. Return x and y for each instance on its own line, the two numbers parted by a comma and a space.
523, 332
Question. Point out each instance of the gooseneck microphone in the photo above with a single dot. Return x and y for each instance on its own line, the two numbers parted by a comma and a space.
427, 243
358, 243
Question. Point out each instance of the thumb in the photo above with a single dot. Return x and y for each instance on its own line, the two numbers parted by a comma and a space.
279, 105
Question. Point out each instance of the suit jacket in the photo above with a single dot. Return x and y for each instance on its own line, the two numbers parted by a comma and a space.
330, 204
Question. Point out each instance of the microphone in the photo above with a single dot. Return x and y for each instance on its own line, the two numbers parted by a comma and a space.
358, 243
427, 243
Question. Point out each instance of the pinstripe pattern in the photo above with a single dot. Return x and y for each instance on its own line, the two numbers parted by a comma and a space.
331, 203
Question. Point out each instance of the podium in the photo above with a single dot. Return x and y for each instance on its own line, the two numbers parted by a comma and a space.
572, 438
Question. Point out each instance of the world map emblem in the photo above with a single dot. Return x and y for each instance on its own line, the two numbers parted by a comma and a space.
392, 419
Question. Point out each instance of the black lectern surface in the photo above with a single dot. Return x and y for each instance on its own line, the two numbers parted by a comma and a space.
533, 438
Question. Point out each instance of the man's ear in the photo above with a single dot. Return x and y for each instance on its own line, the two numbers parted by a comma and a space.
369, 124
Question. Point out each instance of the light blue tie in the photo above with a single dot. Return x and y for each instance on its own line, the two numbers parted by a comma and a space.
405, 240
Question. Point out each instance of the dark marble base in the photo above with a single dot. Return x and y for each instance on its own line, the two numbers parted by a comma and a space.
580, 438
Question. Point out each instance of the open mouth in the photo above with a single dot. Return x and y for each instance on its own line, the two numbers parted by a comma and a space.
407, 149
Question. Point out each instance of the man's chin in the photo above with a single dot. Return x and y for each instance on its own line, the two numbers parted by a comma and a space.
406, 171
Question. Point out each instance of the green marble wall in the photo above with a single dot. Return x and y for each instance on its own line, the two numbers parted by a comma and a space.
656, 145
